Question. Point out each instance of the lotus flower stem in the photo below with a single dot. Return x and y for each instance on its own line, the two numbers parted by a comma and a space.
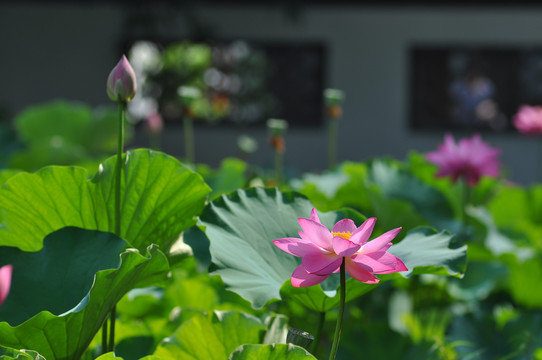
118, 177
121, 88
333, 99
333, 125
112, 329
278, 167
465, 200
189, 150
337, 336
318, 334
118, 168
104, 337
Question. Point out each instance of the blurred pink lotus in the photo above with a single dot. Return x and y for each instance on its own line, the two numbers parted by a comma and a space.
469, 159
323, 251
155, 123
5, 281
528, 119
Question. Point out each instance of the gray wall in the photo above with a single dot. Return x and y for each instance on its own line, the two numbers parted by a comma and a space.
63, 51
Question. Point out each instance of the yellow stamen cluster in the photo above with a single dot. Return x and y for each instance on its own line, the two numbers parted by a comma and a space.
345, 235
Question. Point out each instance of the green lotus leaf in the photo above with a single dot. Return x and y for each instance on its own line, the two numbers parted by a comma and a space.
160, 198
68, 336
271, 352
211, 337
108, 356
10, 354
242, 226
229, 177
58, 276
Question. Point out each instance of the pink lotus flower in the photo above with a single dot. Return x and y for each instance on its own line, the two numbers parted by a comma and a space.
528, 119
5, 281
469, 159
121, 83
322, 251
155, 123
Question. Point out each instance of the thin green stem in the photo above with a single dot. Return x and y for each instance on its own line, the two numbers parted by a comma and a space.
104, 337
112, 329
465, 200
318, 334
118, 168
337, 336
118, 183
278, 167
154, 141
332, 143
189, 149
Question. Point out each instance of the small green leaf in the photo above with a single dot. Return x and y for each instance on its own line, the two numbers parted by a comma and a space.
211, 338
108, 356
10, 354
271, 352
229, 177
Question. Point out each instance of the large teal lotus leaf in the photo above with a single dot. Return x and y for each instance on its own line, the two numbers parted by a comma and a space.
271, 352
212, 337
242, 226
58, 276
68, 336
160, 199
424, 251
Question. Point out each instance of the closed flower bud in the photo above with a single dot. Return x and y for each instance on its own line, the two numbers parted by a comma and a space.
121, 83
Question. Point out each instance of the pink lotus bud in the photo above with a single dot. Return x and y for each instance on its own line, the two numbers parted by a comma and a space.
121, 83
5, 281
